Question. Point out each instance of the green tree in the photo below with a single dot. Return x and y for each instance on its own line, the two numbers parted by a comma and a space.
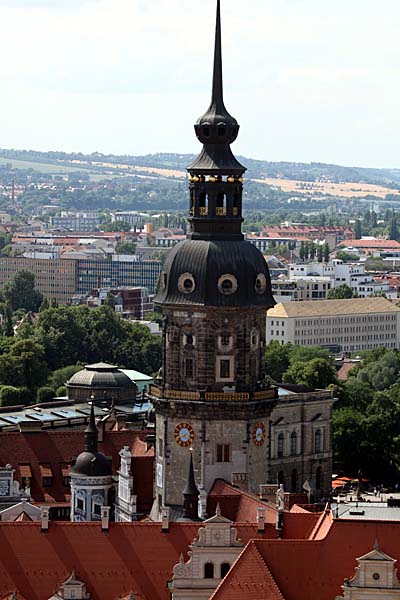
346, 256
12, 396
60, 377
320, 253
357, 229
302, 251
45, 394
317, 373
116, 226
20, 292
341, 292
277, 360
27, 357
126, 248
393, 229
326, 252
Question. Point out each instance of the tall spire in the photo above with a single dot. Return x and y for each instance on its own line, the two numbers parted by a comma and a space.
217, 88
191, 495
91, 432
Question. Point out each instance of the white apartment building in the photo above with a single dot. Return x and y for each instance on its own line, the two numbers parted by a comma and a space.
301, 288
333, 274
341, 325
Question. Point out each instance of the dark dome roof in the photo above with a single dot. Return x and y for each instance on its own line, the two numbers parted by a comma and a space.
205, 263
101, 375
94, 465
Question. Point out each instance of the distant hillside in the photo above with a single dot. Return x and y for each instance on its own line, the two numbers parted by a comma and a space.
111, 164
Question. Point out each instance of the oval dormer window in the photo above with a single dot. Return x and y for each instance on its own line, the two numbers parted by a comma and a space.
206, 131
261, 283
186, 283
221, 131
227, 284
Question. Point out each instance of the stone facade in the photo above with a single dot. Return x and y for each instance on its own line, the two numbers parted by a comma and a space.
301, 442
376, 577
211, 556
88, 496
125, 502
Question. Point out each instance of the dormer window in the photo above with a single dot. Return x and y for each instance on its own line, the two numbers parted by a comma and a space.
206, 131
221, 131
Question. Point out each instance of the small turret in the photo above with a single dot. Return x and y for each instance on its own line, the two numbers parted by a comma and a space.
191, 496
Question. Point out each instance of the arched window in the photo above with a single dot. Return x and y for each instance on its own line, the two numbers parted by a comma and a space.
317, 441
224, 569
318, 478
203, 204
209, 571
280, 445
280, 478
293, 444
293, 481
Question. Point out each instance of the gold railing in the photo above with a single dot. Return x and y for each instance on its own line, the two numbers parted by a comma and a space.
235, 211
178, 395
226, 397
203, 211
220, 211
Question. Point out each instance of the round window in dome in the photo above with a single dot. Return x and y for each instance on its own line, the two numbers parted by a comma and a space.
186, 283
227, 284
261, 283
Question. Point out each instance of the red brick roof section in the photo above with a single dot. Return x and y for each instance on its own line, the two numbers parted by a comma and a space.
34, 454
312, 569
237, 505
248, 578
135, 557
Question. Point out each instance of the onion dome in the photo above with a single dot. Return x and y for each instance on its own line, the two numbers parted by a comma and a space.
91, 462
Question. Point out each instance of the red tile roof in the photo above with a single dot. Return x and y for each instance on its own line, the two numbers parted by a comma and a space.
35, 455
311, 569
135, 557
371, 244
248, 578
237, 505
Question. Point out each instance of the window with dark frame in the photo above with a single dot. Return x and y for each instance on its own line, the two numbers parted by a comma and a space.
223, 453
225, 368
189, 368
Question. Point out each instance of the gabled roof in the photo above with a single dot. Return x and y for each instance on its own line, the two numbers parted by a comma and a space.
248, 578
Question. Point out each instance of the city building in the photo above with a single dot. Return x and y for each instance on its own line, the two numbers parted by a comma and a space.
62, 279
313, 280
341, 325
132, 217
102, 382
129, 302
369, 246
56, 279
76, 221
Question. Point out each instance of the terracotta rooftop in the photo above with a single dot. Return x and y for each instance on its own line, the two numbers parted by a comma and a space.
44, 454
135, 557
371, 244
333, 308
306, 569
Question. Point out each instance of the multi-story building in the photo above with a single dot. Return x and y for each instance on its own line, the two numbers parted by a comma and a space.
76, 221
312, 281
132, 217
129, 302
346, 325
62, 279
56, 279
93, 274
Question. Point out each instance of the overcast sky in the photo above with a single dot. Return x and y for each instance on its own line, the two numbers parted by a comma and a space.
308, 80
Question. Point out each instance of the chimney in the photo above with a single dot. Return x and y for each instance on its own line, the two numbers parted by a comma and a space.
165, 519
105, 518
44, 518
260, 519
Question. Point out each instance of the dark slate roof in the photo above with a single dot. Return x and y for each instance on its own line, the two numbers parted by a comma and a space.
100, 375
207, 261
93, 464
216, 157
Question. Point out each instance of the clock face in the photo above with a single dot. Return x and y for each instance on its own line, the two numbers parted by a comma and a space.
184, 434
259, 434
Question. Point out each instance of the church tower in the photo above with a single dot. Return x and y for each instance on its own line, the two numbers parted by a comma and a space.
213, 292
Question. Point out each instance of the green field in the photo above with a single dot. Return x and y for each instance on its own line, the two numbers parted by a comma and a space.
42, 167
